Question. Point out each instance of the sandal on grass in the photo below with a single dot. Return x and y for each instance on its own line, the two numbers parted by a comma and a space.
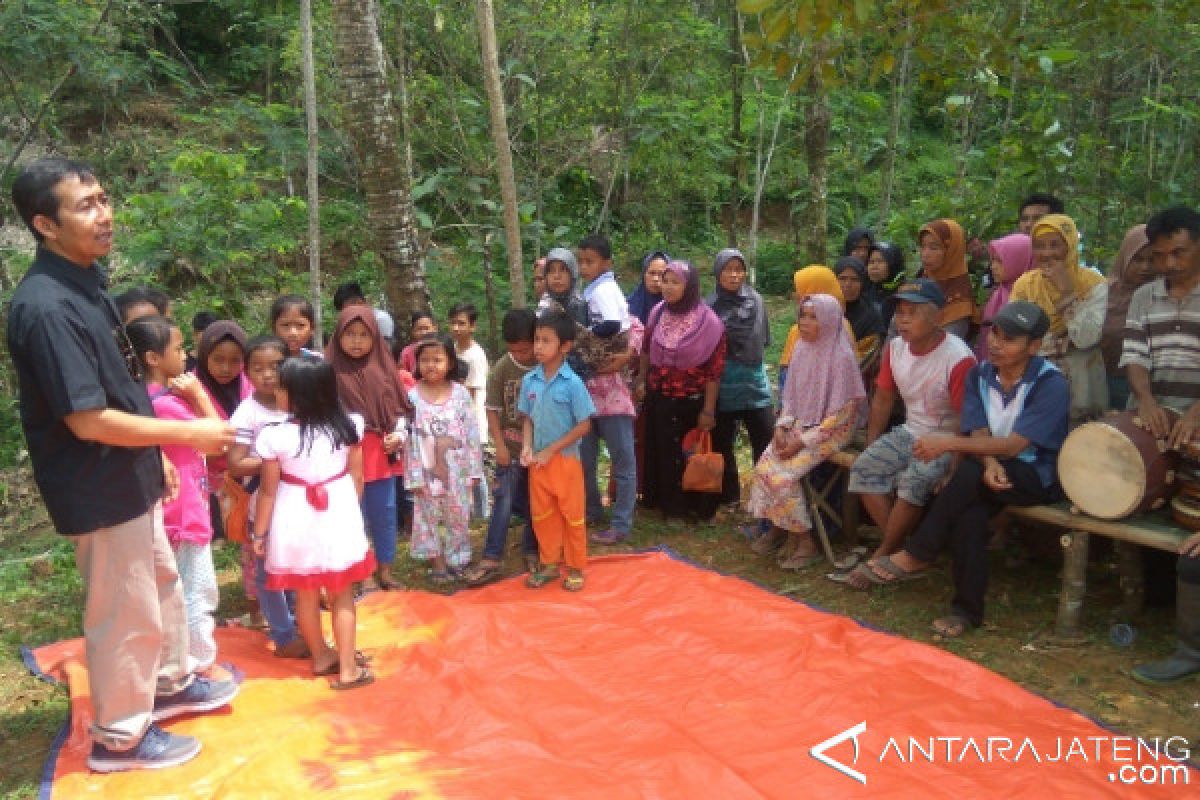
543, 576
861, 577
887, 571
443, 577
365, 678
769, 542
573, 583
797, 562
950, 626
483, 574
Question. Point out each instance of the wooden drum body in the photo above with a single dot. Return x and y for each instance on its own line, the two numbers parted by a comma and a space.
1113, 467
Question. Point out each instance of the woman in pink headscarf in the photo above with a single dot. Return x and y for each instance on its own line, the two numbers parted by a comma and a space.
683, 354
1012, 257
823, 400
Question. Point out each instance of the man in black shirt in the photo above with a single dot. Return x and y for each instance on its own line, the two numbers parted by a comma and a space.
93, 441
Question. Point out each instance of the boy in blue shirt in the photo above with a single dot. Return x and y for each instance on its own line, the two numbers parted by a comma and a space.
1014, 421
557, 411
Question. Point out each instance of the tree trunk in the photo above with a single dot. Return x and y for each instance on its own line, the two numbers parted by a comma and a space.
504, 163
737, 138
313, 194
899, 87
816, 153
371, 124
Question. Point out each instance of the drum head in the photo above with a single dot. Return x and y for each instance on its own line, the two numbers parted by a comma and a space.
1102, 471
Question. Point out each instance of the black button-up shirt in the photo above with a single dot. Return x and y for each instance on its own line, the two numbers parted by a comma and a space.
63, 335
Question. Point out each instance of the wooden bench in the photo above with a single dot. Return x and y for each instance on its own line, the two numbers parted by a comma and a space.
1155, 529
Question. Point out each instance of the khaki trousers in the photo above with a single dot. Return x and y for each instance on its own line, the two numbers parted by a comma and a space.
134, 624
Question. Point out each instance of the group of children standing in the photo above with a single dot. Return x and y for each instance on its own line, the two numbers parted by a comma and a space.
339, 450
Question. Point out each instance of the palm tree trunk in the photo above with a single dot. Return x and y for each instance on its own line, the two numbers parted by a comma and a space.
371, 123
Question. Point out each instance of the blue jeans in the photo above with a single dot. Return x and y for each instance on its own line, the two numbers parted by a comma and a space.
379, 514
617, 432
274, 607
511, 497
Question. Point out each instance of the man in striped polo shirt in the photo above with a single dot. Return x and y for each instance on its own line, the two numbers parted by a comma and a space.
1161, 357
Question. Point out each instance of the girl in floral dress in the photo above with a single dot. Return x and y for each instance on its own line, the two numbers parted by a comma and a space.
443, 461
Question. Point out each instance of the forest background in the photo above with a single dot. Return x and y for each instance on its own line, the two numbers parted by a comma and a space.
776, 126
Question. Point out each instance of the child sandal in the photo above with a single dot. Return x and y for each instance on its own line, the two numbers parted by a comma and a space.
545, 575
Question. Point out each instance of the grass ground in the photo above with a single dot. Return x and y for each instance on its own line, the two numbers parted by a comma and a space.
41, 597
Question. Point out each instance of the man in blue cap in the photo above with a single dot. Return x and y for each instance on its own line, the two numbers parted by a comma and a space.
927, 368
1014, 421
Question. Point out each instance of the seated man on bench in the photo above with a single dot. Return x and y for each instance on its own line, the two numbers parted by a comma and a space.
1161, 357
927, 367
1014, 421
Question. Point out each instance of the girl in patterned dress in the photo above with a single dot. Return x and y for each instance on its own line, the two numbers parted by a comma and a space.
443, 461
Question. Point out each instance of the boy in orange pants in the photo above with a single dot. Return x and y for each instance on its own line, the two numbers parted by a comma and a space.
557, 411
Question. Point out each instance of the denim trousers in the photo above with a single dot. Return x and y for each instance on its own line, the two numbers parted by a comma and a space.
617, 433
379, 514
274, 606
511, 496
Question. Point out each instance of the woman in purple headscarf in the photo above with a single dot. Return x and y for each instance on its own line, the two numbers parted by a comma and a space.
683, 354
822, 403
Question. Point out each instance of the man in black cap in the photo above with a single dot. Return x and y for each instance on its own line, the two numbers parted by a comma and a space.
927, 368
1014, 421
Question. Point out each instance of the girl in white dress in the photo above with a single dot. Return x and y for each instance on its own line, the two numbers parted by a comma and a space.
309, 502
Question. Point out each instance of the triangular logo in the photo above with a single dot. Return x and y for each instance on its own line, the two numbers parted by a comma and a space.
818, 751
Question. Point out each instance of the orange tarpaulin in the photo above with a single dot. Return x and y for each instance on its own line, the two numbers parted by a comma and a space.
659, 680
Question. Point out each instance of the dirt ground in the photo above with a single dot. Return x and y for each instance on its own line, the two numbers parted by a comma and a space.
41, 598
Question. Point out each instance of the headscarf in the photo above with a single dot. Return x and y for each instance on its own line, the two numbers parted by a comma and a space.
1015, 252
684, 334
826, 375
1036, 287
226, 395
571, 300
641, 301
742, 312
863, 316
855, 236
1121, 286
879, 292
813, 279
952, 275
369, 385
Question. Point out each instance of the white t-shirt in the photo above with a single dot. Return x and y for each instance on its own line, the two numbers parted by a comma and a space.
476, 383
606, 301
248, 421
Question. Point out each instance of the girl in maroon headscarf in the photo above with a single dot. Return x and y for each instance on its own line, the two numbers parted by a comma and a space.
369, 384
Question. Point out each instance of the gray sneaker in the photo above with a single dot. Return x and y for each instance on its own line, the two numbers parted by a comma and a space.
200, 695
157, 750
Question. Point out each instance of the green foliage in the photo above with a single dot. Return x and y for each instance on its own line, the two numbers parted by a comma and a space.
217, 225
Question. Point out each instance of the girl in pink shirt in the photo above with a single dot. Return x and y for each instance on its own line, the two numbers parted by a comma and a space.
176, 394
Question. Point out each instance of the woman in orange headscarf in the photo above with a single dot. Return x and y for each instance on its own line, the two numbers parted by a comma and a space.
813, 279
1076, 300
944, 259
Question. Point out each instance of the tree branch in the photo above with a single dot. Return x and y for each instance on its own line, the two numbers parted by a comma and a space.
37, 120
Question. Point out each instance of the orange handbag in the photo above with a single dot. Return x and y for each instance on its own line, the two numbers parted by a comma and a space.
705, 469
